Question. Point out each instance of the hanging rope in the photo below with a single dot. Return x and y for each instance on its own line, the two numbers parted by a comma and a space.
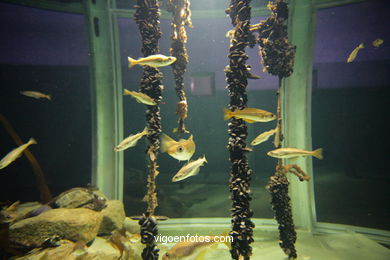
236, 73
147, 17
278, 59
181, 17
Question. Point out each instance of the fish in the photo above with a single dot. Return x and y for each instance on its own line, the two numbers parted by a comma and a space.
35, 94
263, 137
189, 169
250, 115
140, 97
181, 150
193, 250
130, 141
353, 54
294, 152
377, 42
154, 61
15, 153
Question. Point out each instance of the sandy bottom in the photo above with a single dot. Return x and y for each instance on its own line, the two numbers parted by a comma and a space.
327, 247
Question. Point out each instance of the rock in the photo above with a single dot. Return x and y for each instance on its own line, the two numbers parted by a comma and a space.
81, 198
101, 249
113, 217
131, 226
72, 224
64, 251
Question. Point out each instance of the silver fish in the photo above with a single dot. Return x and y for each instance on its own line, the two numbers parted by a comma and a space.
190, 169
130, 141
35, 94
15, 153
263, 137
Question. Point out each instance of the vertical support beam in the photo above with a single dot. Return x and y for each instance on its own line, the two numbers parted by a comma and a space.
107, 171
297, 110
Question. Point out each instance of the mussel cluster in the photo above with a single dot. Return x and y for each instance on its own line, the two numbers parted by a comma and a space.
148, 233
236, 74
181, 17
147, 17
278, 187
276, 51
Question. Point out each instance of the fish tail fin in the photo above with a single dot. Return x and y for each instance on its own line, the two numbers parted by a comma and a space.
318, 153
145, 131
165, 142
49, 97
228, 114
204, 158
132, 62
32, 141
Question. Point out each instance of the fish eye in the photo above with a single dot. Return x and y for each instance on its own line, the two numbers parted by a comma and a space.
180, 149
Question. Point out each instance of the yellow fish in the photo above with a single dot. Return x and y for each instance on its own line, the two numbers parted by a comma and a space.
294, 152
263, 137
377, 42
353, 54
155, 61
190, 169
194, 250
140, 97
35, 94
15, 153
250, 115
181, 150
130, 141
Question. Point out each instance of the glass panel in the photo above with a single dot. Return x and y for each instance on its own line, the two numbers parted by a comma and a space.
45, 51
207, 194
350, 104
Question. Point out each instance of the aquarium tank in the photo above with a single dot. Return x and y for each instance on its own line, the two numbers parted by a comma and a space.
203, 129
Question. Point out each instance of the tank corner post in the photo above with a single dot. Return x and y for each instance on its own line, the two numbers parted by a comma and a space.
147, 17
278, 59
237, 81
181, 17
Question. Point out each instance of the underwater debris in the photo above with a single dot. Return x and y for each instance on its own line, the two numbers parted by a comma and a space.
181, 17
35, 94
289, 152
354, 53
157, 60
130, 141
189, 169
181, 150
237, 81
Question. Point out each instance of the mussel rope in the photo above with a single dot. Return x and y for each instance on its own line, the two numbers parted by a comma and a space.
236, 74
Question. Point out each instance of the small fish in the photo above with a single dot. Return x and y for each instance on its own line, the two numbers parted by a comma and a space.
193, 250
155, 61
181, 150
263, 137
15, 153
130, 141
377, 42
189, 169
353, 54
250, 115
140, 97
35, 94
294, 152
